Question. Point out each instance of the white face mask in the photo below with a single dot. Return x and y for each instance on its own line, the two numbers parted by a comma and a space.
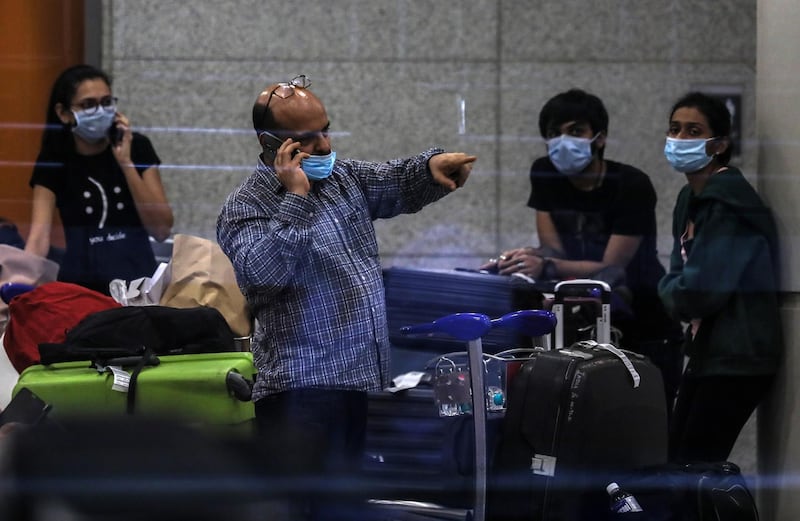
318, 168
569, 154
93, 127
687, 155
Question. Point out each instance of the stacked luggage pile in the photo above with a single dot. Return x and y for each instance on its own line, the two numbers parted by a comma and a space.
180, 364
576, 417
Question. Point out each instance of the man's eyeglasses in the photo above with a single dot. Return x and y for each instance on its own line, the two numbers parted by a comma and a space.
90, 105
262, 114
286, 89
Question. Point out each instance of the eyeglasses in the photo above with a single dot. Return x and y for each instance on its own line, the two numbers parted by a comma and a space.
286, 89
90, 105
283, 90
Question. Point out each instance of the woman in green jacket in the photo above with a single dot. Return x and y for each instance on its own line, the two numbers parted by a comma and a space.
722, 282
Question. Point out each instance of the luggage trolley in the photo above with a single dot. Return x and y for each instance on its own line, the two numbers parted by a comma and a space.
471, 327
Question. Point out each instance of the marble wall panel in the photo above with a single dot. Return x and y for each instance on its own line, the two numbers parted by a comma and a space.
198, 117
625, 31
333, 30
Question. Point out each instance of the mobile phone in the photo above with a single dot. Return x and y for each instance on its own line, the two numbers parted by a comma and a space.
272, 143
25, 407
115, 134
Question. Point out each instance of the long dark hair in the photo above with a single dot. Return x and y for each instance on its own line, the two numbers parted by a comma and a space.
57, 137
717, 114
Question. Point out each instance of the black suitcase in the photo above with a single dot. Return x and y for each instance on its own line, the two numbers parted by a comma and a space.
576, 418
574, 422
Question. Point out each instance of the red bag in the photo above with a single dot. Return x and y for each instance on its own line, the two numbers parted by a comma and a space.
44, 315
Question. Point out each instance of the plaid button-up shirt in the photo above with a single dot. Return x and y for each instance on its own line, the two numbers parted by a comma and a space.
310, 270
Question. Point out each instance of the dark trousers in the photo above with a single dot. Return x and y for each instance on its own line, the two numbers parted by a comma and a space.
709, 415
315, 444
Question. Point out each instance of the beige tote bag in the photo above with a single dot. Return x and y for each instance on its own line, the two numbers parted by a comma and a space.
202, 275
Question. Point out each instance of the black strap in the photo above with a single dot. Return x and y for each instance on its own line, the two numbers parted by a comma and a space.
148, 358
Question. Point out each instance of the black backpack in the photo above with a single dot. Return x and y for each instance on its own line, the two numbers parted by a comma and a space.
129, 331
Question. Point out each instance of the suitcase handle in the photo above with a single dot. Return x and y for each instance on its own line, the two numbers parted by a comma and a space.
127, 361
240, 387
589, 288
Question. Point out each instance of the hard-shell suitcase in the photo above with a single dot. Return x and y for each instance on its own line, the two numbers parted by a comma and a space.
575, 417
211, 389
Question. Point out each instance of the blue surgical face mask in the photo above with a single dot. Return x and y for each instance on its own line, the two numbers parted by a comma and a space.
569, 154
318, 167
93, 127
687, 155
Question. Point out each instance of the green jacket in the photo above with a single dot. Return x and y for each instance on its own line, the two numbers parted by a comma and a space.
729, 280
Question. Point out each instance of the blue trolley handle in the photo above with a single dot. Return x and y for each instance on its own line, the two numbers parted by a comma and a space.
529, 322
463, 326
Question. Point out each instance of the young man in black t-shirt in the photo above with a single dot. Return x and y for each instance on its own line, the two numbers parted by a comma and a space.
596, 217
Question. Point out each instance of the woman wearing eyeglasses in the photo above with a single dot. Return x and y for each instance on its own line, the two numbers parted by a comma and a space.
722, 282
104, 180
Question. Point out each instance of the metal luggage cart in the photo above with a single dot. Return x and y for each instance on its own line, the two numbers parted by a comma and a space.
470, 328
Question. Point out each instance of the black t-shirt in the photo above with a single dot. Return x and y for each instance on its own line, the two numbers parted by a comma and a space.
105, 237
624, 204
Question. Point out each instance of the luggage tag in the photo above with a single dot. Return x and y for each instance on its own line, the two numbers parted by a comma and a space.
121, 379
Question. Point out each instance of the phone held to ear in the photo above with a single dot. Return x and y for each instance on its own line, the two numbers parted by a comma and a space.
25, 407
115, 134
272, 143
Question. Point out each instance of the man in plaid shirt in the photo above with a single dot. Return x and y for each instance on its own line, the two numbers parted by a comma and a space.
300, 236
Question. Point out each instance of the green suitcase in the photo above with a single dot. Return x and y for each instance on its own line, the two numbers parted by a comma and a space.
208, 389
